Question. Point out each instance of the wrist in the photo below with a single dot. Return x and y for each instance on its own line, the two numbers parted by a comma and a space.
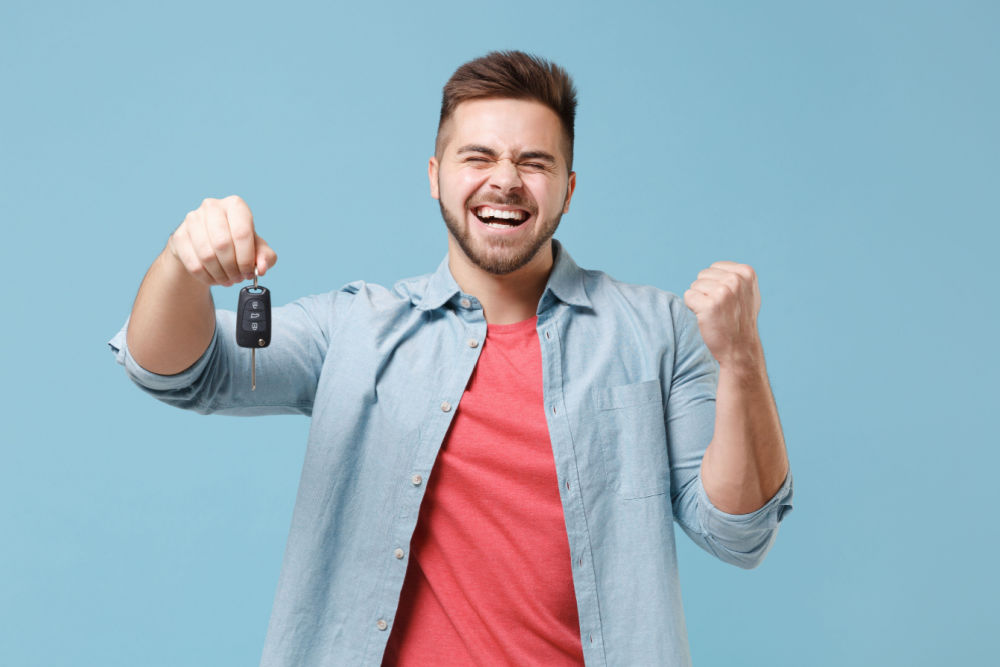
746, 363
173, 269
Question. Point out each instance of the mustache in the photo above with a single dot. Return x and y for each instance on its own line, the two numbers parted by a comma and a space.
510, 200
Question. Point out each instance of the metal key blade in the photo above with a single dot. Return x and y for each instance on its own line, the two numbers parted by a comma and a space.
253, 350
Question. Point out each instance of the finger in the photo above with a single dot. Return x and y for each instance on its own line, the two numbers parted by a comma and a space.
715, 273
266, 257
221, 240
204, 251
697, 301
241, 231
725, 264
711, 288
744, 270
726, 277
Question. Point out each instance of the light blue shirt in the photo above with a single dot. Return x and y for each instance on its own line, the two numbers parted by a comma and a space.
629, 390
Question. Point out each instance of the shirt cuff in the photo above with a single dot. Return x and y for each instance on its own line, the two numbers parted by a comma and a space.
744, 530
155, 381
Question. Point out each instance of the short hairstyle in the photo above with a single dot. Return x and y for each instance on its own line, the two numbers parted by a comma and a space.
512, 75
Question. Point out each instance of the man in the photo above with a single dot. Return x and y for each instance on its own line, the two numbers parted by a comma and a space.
498, 449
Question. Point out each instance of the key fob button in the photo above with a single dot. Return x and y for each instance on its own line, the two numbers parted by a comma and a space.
253, 325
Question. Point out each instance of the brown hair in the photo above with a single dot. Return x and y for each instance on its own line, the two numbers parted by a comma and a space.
512, 75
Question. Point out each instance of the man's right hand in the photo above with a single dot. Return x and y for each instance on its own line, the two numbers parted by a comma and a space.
173, 317
217, 243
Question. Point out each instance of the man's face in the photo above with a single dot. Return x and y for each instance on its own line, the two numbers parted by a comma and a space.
502, 180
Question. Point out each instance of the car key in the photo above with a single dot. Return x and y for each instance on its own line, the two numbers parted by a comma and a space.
253, 322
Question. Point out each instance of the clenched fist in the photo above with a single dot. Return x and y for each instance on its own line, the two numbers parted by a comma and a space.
217, 243
726, 300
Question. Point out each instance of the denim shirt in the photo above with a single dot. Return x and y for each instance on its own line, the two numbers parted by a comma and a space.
629, 390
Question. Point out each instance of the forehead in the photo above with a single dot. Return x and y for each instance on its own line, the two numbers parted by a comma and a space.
505, 124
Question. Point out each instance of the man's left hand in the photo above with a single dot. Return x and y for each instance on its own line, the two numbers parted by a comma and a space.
726, 300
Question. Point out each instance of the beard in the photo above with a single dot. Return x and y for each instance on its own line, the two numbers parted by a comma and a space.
499, 255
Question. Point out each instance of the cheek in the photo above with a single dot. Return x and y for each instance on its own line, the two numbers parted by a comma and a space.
462, 185
545, 194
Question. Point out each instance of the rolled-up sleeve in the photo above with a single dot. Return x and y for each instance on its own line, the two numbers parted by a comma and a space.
288, 370
742, 539
155, 382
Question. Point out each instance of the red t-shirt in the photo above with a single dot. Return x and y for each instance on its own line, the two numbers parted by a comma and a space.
489, 580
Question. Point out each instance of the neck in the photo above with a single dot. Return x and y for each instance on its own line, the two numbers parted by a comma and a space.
508, 298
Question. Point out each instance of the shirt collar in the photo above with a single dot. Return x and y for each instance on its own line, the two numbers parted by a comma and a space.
565, 283
566, 280
440, 288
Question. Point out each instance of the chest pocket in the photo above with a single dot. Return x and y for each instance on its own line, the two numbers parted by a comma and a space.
634, 438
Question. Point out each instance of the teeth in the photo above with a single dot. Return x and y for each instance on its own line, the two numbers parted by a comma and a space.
487, 212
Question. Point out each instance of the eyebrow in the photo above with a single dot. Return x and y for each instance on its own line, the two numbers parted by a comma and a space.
528, 155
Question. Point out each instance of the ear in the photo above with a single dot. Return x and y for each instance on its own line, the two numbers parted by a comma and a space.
432, 176
570, 187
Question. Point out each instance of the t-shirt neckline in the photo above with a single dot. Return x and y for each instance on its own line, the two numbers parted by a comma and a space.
512, 328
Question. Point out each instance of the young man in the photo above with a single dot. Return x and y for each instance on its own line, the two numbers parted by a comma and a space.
498, 449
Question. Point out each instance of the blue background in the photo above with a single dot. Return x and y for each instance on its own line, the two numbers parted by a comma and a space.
848, 151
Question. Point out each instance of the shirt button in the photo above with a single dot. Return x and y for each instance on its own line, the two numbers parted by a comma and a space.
398, 553
554, 411
381, 625
416, 480
466, 303
548, 335
473, 342
445, 406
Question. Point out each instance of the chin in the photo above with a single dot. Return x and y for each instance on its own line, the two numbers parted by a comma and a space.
497, 256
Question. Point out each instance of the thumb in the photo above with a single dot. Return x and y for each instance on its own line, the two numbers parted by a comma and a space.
265, 255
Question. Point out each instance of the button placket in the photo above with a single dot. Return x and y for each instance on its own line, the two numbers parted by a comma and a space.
559, 429
452, 383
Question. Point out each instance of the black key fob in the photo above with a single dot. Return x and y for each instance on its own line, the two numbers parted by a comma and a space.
253, 317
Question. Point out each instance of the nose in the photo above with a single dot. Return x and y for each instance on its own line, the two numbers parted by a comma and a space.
505, 176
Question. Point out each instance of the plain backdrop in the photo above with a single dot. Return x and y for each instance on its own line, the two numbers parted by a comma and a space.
848, 151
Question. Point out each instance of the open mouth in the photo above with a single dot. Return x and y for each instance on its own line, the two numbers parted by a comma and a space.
500, 218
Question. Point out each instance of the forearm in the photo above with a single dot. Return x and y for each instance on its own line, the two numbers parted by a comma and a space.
746, 462
173, 318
